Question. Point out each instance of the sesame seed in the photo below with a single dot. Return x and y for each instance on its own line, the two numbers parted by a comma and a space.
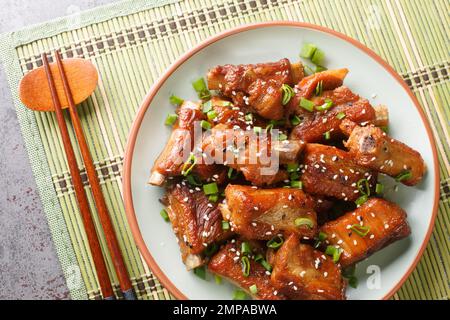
325, 274
302, 274
386, 226
320, 291
372, 236
355, 242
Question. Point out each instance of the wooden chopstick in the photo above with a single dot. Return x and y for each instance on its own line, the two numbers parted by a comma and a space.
105, 220
94, 244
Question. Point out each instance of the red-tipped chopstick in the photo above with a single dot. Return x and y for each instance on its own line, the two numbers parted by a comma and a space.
105, 220
94, 244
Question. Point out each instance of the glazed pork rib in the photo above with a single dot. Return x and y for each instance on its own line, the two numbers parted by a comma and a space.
374, 149
197, 223
256, 87
264, 213
329, 171
227, 263
302, 273
374, 225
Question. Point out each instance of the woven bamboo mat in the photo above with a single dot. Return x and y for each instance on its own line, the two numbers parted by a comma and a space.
133, 42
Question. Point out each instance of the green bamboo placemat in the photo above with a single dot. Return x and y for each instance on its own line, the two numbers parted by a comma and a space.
133, 42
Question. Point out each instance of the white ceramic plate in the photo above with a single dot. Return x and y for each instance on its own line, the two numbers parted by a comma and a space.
369, 76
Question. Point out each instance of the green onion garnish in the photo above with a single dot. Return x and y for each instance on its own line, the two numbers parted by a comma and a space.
253, 289
239, 295
282, 137
175, 100
307, 104
334, 252
318, 68
200, 87
218, 279
320, 238
207, 106
213, 198
266, 265
164, 215
353, 282
245, 248
288, 93
379, 188
188, 165
257, 130
259, 257
360, 230
245, 264
248, 117
200, 272
308, 50
205, 125
269, 127
225, 225
211, 115
275, 242
361, 200
340, 115
193, 180
171, 118
385, 129
327, 105
349, 274
292, 167
304, 222
327, 135
210, 188
297, 184
318, 57
232, 174
295, 120
405, 175
294, 176
363, 186
211, 249
319, 88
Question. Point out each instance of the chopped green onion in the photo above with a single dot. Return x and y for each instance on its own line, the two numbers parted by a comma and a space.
292, 167
318, 57
232, 174
225, 225
320, 238
217, 279
259, 257
253, 289
364, 189
340, 115
349, 274
257, 130
275, 242
361, 200
205, 125
175, 100
188, 165
295, 120
327, 105
266, 265
327, 135
200, 87
297, 184
245, 248
164, 215
294, 176
379, 188
304, 222
248, 117
207, 106
353, 282
193, 180
318, 68
213, 198
269, 127
405, 175
245, 264
211, 249
239, 295
171, 118
200, 272
211, 115
360, 230
385, 129
334, 252
210, 188
282, 137
288, 93
308, 50
319, 88
307, 104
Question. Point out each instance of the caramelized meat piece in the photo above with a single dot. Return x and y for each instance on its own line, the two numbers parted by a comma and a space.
377, 222
330, 79
316, 124
196, 222
171, 159
263, 213
374, 149
329, 171
227, 263
302, 273
257, 86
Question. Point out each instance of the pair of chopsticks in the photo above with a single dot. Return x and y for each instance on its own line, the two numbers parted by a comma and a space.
111, 239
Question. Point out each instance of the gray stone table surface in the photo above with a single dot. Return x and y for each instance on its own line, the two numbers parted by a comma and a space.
29, 267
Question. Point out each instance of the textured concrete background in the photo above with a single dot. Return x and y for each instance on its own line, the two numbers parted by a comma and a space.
29, 267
